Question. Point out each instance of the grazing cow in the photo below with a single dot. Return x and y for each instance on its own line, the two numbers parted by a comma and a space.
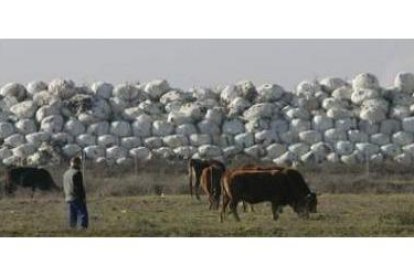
27, 177
197, 166
210, 183
286, 187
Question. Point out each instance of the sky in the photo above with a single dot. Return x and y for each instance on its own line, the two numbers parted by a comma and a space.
189, 63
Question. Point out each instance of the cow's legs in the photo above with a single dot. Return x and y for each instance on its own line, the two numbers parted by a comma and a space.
226, 201
233, 208
197, 184
275, 210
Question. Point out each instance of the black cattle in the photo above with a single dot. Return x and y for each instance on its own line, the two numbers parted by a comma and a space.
27, 177
197, 166
280, 187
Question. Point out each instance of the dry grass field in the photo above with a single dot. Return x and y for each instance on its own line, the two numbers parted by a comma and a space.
127, 203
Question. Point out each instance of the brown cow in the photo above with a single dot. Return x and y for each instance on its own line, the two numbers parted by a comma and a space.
210, 183
281, 188
197, 166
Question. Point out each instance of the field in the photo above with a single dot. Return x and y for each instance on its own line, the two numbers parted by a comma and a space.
153, 201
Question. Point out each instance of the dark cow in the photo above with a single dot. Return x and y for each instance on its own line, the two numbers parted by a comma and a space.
210, 183
286, 187
197, 166
27, 177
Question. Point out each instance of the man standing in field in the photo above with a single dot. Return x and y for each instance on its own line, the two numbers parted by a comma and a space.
75, 194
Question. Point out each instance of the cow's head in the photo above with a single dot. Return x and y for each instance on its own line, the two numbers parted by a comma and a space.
306, 205
311, 202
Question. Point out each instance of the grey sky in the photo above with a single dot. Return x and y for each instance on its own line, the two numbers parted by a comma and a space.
187, 63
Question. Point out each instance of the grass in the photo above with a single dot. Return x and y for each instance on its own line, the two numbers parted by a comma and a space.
339, 215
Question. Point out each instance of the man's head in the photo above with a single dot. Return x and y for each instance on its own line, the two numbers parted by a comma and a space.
76, 162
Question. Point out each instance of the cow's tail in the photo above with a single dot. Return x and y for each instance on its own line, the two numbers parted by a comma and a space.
190, 173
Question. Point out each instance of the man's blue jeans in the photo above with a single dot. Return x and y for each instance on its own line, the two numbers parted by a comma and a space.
78, 210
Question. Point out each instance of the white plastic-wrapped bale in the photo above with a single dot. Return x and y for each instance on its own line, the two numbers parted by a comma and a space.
192, 110
261, 110
288, 137
266, 137
142, 127
307, 88
45, 98
368, 127
185, 152
6, 129
25, 126
408, 124
116, 152
162, 128
321, 148
140, 153
24, 150
225, 140
331, 102
179, 118
344, 147
311, 158
346, 124
174, 96
208, 127
215, 115
46, 111
120, 128
87, 119
153, 142
333, 135
124, 161
85, 140
37, 138
333, 157
25, 109
402, 138
130, 142
63, 89
380, 139
391, 150
257, 124
156, 88
377, 158
373, 114
279, 125
299, 113
408, 149
233, 126
255, 151
405, 82
404, 159
98, 129
322, 123
203, 93
398, 98
275, 150
94, 152
175, 141
209, 151
320, 96
299, 148
151, 108
199, 139
286, 159
52, 124
102, 89
244, 140
229, 93
15, 90
299, 125
306, 102
173, 106
14, 140
269, 93
310, 136
247, 89
6, 103
74, 127
342, 93
231, 151
376, 103
352, 159
100, 109
399, 112
329, 84
107, 140
367, 149
360, 95
62, 138
365, 80
34, 87
12, 161
186, 129
126, 92
164, 153
5, 152
339, 113
71, 150
390, 126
